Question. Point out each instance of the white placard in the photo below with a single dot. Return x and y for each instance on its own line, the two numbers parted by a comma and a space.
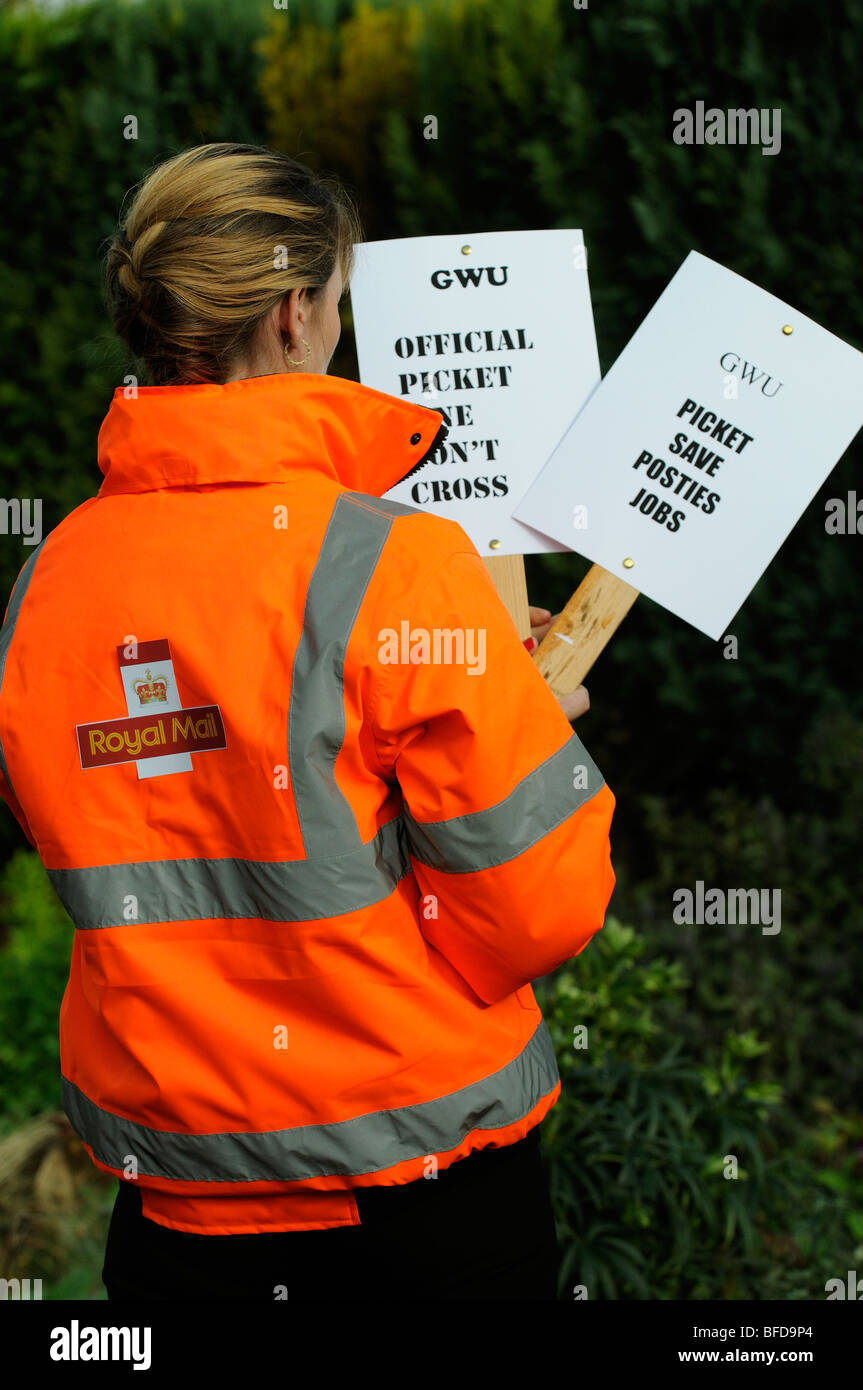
495, 329
770, 414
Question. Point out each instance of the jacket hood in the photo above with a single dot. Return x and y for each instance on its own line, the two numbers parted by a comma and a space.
261, 429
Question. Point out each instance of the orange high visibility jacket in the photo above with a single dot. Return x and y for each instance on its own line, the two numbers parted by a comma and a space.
316, 817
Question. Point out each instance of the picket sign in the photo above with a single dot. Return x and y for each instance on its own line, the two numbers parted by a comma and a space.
693, 460
495, 329
679, 475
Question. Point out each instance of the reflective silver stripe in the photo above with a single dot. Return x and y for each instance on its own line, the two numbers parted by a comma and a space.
179, 890
8, 629
352, 544
364, 1144
482, 839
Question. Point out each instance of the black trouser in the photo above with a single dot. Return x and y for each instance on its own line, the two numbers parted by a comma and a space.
483, 1228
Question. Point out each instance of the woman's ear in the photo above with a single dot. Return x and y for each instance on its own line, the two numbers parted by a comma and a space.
295, 314
287, 318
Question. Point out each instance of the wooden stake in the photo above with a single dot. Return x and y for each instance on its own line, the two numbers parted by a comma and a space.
589, 620
507, 572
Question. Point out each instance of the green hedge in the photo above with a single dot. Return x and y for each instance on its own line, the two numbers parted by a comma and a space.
34, 967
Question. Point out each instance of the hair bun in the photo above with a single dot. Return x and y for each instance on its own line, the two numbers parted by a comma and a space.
129, 281
192, 268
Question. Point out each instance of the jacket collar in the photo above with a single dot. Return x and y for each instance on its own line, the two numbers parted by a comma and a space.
261, 429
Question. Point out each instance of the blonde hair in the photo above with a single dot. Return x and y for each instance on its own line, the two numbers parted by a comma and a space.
211, 240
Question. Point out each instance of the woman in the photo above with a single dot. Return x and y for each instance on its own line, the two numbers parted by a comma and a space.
311, 878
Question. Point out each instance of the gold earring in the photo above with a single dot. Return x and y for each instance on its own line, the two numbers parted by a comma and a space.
305, 359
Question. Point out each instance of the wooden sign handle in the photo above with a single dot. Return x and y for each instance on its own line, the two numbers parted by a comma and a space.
507, 573
590, 618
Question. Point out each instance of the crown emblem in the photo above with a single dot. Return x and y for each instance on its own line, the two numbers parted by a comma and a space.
152, 689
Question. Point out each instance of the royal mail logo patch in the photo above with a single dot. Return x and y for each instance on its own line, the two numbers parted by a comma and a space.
163, 739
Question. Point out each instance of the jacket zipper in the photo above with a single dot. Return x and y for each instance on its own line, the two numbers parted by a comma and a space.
429, 456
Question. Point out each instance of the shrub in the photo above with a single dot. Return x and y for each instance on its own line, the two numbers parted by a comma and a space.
641, 1140
34, 967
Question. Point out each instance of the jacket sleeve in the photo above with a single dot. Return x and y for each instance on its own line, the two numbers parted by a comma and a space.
506, 814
